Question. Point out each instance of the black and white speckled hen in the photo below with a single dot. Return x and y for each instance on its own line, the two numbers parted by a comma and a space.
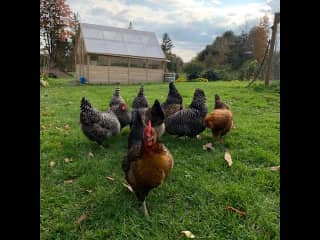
119, 107
140, 103
173, 103
189, 121
97, 126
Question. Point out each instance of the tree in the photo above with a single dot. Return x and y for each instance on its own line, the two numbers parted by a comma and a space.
193, 66
166, 45
258, 38
175, 64
55, 18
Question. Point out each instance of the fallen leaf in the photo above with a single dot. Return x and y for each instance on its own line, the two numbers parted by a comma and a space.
68, 181
81, 218
128, 186
208, 146
67, 160
89, 191
198, 137
110, 178
275, 168
52, 163
188, 234
241, 213
90, 154
66, 127
227, 157
60, 129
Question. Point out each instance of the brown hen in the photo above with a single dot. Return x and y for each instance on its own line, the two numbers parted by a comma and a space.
147, 163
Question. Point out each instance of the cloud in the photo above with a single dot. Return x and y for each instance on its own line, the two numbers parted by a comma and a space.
194, 22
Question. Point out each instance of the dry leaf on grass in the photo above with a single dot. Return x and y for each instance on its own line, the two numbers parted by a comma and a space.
82, 218
275, 168
68, 181
89, 191
199, 137
128, 187
66, 127
208, 146
227, 157
52, 163
110, 178
188, 234
90, 154
67, 160
241, 213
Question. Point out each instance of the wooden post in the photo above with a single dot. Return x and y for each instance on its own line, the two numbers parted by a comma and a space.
273, 39
88, 67
147, 69
109, 63
129, 62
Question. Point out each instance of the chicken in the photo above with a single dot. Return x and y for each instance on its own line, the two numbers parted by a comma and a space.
189, 121
173, 103
219, 104
97, 126
120, 109
140, 103
220, 121
116, 98
147, 162
157, 116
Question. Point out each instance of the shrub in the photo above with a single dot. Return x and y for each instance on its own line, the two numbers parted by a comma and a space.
193, 75
200, 80
211, 75
182, 78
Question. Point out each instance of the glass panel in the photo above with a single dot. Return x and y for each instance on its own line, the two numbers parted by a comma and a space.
102, 61
118, 61
138, 63
153, 64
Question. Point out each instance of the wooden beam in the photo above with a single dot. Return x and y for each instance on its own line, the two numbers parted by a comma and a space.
129, 70
272, 44
147, 70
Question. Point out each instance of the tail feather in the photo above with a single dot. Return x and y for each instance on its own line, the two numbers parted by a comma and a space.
85, 104
136, 133
157, 114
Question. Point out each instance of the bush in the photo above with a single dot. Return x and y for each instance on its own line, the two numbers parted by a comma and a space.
182, 78
193, 66
200, 80
211, 75
193, 75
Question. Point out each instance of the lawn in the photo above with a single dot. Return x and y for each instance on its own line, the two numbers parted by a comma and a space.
198, 189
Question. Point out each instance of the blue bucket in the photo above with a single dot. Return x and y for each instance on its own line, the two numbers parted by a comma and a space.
83, 80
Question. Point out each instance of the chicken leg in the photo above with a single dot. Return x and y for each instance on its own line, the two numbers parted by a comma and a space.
145, 209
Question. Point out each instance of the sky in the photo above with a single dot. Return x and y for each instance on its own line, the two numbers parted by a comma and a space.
191, 24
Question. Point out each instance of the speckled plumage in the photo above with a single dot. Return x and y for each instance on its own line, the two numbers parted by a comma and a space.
97, 126
189, 121
120, 108
140, 103
173, 102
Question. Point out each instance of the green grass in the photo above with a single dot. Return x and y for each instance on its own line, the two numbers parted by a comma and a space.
198, 189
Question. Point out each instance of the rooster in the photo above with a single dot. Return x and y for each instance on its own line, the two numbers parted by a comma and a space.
97, 126
119, 107
220, 121
189, 121
173, 103
147, 162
